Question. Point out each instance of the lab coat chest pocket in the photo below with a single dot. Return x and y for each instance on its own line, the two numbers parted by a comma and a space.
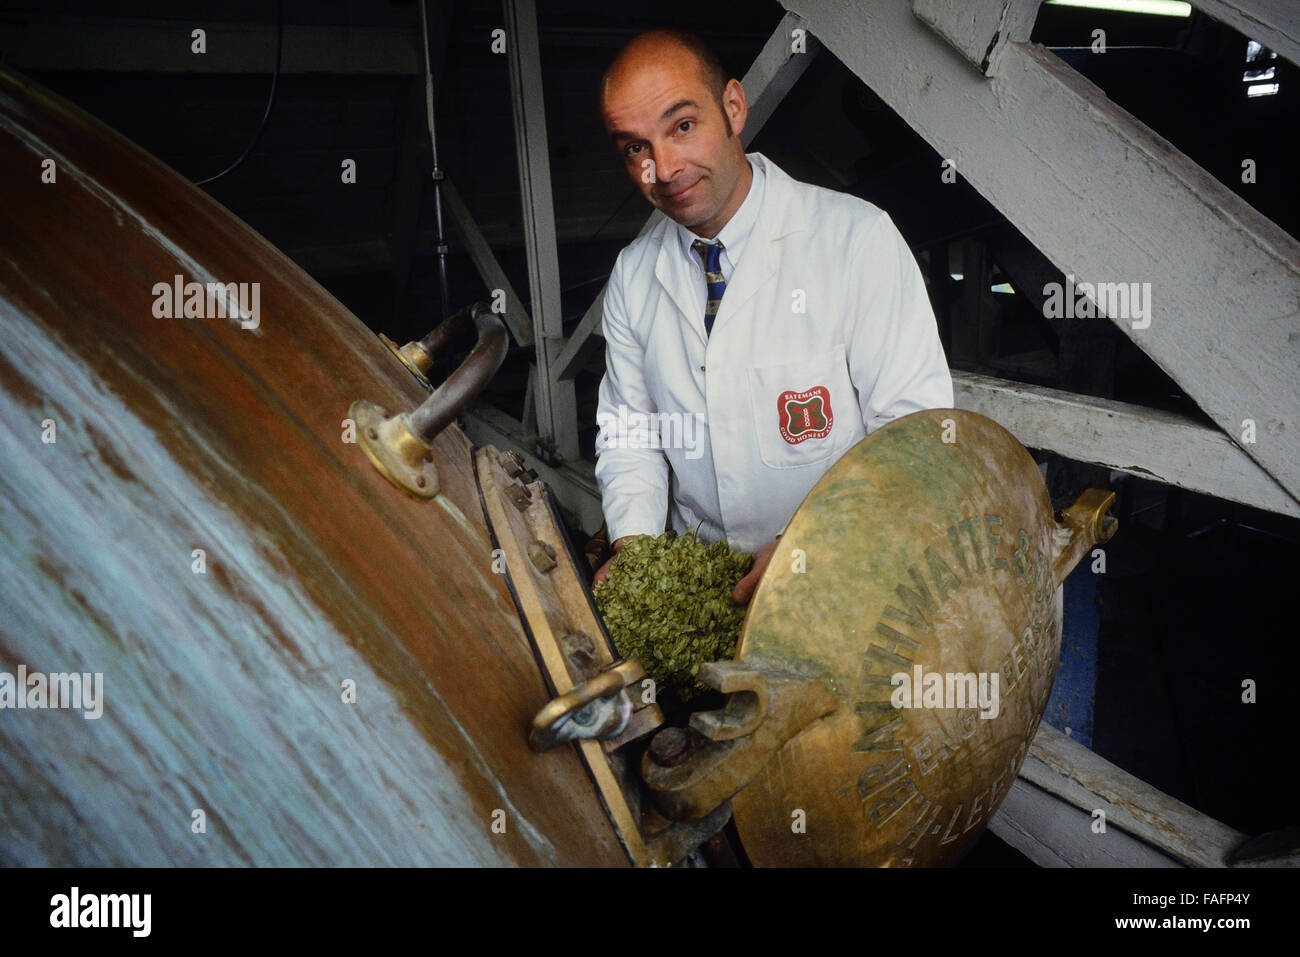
805, 412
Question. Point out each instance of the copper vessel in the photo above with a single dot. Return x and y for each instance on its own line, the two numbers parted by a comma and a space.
326, 630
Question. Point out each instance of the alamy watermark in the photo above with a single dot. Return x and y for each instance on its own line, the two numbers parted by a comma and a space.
629, 429
215, 300
946, 690
1088, 300
130, 911
77, 690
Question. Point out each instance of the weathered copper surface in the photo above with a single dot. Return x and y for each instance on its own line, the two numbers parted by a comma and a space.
224, 690
931, 544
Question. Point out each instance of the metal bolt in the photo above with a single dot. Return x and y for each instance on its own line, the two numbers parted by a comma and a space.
579, 650
513, 463
541, 555
420, 481
670, 747
577, 642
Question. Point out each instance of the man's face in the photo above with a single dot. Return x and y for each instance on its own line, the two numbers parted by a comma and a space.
673, 138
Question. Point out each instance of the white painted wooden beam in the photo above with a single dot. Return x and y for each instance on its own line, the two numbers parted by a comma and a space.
1273, 23
1083, 780
1149, 443
485, 261
1052, 832
556, 400
768, 79
1106, 200
979, 29
784, 58
570, 358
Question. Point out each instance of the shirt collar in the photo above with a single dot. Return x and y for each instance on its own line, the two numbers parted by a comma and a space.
738, 228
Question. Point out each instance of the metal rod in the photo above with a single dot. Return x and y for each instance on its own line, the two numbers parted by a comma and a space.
463, 385
437, 170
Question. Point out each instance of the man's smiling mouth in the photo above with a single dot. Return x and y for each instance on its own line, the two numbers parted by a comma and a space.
681, 192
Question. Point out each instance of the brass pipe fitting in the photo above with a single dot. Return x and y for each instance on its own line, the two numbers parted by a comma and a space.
400, 446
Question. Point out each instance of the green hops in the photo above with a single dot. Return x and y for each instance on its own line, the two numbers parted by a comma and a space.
667, 603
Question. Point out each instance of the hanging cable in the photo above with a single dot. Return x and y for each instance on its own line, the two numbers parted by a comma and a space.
270, 101
437, 170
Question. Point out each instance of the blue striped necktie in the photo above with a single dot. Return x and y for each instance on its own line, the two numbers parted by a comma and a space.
711, 253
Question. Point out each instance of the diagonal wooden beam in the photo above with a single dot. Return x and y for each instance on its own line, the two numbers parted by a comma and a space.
780, 63
1273, 23
1149, 443
976, 30
1058, 791
521, 326
1106, 200
571, 356
784, 58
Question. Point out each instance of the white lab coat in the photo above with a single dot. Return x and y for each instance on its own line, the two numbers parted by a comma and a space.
824, 334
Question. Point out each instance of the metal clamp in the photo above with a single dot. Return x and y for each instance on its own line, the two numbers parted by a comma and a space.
598, 708
692, 772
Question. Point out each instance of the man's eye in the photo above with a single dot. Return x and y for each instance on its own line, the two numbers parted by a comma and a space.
685, 125
629, 150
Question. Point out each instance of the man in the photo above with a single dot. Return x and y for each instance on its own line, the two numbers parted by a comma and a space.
736, 374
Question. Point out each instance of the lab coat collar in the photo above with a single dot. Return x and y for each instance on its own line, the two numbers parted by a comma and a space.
780, 215
735, 234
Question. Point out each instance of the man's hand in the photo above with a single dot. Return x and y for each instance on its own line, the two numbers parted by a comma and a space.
745, 587
603, 570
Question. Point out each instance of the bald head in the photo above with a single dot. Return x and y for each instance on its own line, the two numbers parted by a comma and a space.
667, 46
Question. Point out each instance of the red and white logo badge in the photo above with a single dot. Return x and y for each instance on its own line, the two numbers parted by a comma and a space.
804, 415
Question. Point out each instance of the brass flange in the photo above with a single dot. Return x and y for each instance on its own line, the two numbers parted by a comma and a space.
394, 449
412, 355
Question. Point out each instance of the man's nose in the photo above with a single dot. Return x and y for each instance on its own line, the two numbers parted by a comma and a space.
668, 162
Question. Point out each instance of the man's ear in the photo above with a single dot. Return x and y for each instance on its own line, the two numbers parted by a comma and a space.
735, 107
